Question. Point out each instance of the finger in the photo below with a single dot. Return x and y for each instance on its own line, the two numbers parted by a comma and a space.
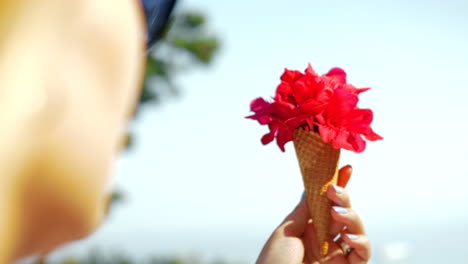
344, 175
362, 249
349, 218
311, 251
295, 223
289, 233
340, 197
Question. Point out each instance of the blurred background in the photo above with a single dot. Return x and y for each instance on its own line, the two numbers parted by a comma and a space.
195, 185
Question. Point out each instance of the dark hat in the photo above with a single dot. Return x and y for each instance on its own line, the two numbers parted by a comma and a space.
157, 13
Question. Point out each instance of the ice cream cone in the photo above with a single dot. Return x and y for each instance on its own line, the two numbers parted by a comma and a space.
319, 168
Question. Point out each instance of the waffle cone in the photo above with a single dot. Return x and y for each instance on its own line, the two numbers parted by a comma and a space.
319, 168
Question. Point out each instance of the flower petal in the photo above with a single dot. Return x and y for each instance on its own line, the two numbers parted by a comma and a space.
341, 140
310, 71
358, 120
341, 104
267, 138
327, 133
291, 76
371, 135
358, 144
283, 91
282, 137
337, 74
258, 104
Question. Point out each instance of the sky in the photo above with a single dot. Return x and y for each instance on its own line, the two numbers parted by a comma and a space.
200, 182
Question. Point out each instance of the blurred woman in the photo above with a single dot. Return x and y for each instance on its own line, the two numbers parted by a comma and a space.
70, 73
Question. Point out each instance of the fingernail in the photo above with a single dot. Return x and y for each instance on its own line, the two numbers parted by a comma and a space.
303, 197
338, 189
352, 237
340, 210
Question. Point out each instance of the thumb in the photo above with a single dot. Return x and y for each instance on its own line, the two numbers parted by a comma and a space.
296, 222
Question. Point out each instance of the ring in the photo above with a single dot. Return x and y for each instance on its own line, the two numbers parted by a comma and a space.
347, 249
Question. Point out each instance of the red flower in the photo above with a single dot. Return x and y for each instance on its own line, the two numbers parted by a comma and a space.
343, 124
261, 109
325, 104
275, 115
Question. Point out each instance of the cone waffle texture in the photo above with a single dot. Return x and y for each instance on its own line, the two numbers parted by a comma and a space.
319, 168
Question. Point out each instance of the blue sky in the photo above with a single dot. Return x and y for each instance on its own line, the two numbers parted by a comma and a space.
199, 166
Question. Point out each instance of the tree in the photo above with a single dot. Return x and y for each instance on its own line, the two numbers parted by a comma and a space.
185, 43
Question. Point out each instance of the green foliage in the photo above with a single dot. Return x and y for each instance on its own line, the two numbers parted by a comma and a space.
186, 44
193, 20
185, 34
114, 198
187, 37
202, 49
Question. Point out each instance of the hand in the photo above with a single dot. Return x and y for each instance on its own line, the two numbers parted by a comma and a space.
294, 240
